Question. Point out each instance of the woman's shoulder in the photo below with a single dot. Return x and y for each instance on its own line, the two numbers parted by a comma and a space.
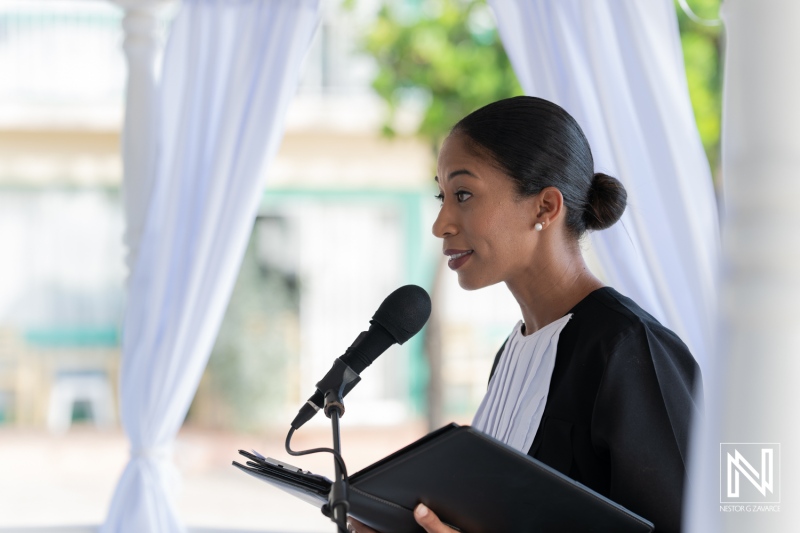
607, 319
614, 306
614, 312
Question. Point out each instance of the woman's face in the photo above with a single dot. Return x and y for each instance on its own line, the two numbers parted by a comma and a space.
487, 231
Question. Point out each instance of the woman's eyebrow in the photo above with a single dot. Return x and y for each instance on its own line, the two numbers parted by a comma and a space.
455, 173
460, 172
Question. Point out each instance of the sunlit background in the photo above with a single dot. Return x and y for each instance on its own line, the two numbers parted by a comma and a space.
344, 219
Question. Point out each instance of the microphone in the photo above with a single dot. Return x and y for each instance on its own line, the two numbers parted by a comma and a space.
401, 315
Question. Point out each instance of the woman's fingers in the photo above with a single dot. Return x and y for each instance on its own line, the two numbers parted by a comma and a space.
357, 527
424, 517
429, 521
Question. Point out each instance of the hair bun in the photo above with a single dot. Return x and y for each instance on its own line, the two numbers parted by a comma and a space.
606, 202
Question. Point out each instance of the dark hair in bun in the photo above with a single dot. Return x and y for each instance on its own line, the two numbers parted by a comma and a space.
539, 145
606, 202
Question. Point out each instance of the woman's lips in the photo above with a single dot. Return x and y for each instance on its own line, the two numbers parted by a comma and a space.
457, 258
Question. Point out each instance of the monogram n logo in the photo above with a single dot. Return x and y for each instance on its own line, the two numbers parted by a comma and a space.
749, 472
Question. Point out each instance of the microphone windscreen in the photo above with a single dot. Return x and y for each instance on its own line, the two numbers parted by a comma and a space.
404, 312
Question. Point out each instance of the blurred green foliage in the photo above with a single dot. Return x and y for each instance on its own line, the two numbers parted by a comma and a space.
246, 376
448, 55
702, 55
445, 54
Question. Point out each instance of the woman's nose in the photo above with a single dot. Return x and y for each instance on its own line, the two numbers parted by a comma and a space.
443, 226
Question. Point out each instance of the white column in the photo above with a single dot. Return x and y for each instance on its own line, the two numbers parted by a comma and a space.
754, 393
143, 47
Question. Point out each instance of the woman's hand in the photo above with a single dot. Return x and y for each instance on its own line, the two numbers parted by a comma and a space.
429, 521
424, 517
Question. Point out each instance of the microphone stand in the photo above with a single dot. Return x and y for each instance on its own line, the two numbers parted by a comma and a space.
339, 380
338, 501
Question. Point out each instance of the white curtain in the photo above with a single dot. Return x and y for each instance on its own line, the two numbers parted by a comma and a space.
617, 67
229, 72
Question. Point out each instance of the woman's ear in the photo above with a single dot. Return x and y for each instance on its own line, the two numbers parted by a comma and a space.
550, 205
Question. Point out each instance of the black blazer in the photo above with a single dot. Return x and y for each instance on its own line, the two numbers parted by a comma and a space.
620, 405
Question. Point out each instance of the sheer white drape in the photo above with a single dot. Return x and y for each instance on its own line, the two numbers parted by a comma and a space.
229, 72
617, 67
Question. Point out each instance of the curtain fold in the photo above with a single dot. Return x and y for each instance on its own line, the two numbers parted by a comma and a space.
229, 72
617, 67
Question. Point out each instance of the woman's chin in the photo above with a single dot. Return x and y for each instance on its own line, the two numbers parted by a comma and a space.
470, 284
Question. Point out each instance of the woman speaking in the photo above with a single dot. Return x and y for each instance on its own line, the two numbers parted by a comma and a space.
587, 382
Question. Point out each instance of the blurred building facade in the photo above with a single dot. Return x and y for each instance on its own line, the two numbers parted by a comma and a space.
60, 223
345, 219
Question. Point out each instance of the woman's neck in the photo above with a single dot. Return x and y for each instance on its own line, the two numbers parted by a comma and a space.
549, 292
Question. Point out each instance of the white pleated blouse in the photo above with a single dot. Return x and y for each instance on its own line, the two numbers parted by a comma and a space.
513, 406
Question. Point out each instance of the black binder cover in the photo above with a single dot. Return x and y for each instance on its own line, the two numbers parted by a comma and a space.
471, 481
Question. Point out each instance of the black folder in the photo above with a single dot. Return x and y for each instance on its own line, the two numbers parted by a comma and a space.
472, 482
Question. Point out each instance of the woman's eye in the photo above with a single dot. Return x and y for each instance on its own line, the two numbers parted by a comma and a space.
461, 196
